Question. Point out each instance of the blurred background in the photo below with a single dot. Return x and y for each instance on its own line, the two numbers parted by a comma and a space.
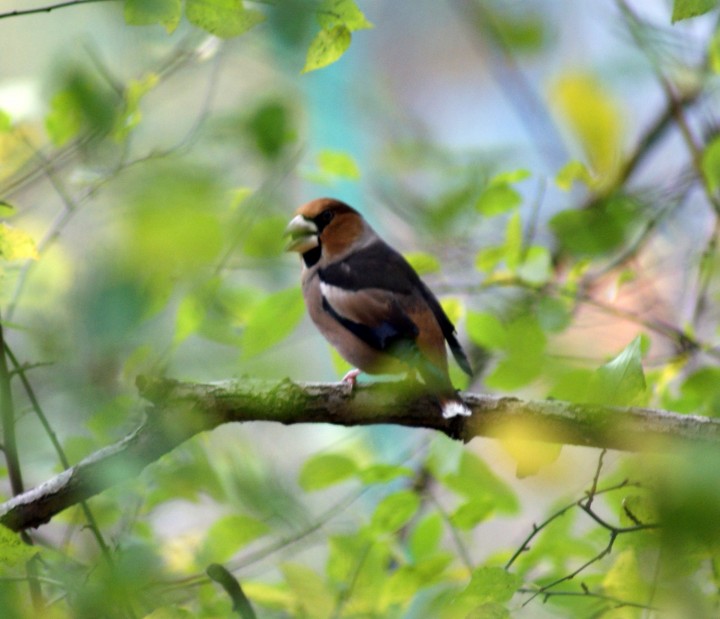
526, 156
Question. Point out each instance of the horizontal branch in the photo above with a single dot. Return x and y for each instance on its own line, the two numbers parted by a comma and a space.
181, 410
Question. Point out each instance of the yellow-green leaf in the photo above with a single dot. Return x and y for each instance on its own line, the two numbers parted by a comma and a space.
12, 549
492, 584
132, 115
313, 597
223, 18
536, 268
711, 164
327, 47
338, 164
684, 9
624, 580
573, 172
346, 13
325, 470
64, 120
423, 262
5, 121
16, 244
190, 315
714, 52
621, 380
228, 535
595, 118
146, 12
498, 199
271, 321
6, 209
395, 511
486, 330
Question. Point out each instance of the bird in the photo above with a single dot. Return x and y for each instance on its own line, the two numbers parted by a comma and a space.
369, 302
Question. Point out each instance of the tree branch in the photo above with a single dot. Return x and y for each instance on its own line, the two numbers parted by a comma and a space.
181, 410
46, 9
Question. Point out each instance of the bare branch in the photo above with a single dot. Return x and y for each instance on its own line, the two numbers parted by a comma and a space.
46, 9
181, 410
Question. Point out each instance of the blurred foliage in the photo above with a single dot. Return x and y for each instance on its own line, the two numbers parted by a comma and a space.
142, 220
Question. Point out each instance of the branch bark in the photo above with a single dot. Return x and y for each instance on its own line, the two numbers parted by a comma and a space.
181, 410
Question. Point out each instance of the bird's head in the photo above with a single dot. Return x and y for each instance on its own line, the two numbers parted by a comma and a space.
324, 227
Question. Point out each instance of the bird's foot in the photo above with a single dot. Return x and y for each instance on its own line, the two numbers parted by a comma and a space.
351, 378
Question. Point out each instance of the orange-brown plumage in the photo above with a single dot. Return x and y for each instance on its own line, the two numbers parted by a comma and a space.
368, 301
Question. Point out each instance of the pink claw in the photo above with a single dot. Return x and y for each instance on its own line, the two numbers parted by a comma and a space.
351, 377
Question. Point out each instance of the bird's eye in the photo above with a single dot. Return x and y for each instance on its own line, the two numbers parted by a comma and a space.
324, 218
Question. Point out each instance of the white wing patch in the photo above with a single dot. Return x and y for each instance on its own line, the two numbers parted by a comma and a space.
337, 297
370, 306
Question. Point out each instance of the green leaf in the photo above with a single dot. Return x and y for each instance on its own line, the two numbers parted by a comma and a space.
223, 18
489, 610
423, 262
265, 237
228, 535
573, 172
6, 209
426, 536
454, 308
313, 597
684, 9
383, 473
714, 52
524, 358
497, 200
624, 580
405, 582
5, 121
147, 12
16, 244
486, 330
553, 314
699, 394
475, 481
190, 315
598, 229
510, 176
270, 127
63, 121
85, 103
536, 268
620, 381
395, 511
338, 164
327, 47
12, 549
472, 513
323, 470
499, 197
711, 164
346, 13
131, 114
492, 584
488, 258
594, 117
170, 612
271, 321
513, 241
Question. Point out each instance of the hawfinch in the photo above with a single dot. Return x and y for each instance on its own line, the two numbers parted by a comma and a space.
370, 303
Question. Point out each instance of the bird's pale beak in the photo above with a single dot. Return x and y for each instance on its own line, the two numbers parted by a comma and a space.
302, 233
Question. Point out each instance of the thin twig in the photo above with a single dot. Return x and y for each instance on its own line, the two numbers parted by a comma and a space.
42, 417
48, 8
